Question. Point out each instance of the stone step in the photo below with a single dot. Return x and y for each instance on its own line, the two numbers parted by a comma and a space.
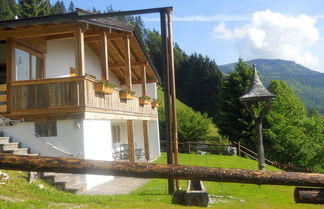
67, 181
12, 146
78, 188
21, 151
5, 140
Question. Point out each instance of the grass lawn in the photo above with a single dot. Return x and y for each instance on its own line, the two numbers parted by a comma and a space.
18, 193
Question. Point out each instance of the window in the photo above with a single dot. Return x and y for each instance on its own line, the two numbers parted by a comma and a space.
115, 129
45, 128
29, 64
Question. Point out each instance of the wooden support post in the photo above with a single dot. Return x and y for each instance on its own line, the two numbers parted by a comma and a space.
148, 170
239, 148
144, 85
309, 195
131, 147
79, 50
189, 148
261, 161
173, 94
10, 62
166, 85
146, 140
128, 67
104, 56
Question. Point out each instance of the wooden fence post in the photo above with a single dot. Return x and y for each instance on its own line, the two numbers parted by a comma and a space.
189, 150
239, 148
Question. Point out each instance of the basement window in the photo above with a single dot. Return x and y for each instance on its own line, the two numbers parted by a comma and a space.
45, 128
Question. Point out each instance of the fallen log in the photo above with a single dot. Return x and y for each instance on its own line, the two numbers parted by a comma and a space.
148, 170
309, 195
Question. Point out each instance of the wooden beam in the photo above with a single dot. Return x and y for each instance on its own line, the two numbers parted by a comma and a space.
119, 53
128, 67
79, 50
120, 65
140, 82
104, 55
92, 37
39, 31
148, 170
144, 86
309, 195
130, 136
114, 36
60, 36
146, 140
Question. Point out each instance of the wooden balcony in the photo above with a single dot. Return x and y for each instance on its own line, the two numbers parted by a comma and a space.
70, 98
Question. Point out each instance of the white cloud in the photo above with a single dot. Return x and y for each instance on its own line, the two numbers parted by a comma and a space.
274, 35
204, 18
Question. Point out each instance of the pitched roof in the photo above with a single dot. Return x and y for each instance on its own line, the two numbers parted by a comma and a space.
83, 16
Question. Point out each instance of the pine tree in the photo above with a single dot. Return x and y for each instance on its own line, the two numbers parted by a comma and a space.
234, 121
5, 11
199, 84
28, 8
13, 7
58, 8
71, 7
44, 8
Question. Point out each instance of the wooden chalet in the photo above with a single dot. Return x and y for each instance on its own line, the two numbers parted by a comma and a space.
51, 69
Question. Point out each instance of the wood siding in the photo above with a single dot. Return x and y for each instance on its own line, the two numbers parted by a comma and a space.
69, 95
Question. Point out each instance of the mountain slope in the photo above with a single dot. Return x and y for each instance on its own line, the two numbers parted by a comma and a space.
307, 84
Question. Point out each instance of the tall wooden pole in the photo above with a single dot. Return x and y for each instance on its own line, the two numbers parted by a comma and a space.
166, 85
173, 94
261, 163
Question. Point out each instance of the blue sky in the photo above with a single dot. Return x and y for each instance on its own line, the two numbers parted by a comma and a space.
227, 29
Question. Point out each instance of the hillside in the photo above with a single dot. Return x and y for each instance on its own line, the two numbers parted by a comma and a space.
18, 193
307, 84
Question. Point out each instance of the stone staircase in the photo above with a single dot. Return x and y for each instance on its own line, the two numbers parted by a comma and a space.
66, 182
61, 181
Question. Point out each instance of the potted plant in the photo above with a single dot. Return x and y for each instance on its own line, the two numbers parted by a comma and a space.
104, 87
126, 94
155, 103
144, 100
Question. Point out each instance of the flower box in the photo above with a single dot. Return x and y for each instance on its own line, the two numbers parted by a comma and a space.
143, 101
101, 88
125, 95
155, 104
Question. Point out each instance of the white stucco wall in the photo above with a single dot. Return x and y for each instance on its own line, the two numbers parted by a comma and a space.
92, 63
68, 138
138, 89
97, 146
90, 140
152, 90
60, 58
154, 138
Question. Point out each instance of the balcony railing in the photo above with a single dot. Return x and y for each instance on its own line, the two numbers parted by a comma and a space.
69, 95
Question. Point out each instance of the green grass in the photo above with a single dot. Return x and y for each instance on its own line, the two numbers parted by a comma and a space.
18, 193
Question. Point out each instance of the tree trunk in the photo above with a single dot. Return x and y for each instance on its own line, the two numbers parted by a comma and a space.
147, 170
